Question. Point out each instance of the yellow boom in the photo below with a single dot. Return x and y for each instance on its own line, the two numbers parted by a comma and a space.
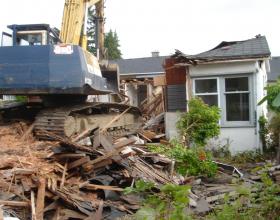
74, 17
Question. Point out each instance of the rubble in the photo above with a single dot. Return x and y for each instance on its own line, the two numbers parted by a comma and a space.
84, 177
63, 177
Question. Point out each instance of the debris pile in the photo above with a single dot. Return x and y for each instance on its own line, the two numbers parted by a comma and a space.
71, 178
84, 177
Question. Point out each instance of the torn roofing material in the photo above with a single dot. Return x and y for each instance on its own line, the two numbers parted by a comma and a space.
254, 48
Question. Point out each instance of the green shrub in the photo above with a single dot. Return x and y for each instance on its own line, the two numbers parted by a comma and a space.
199, 123
188, 161
168, 203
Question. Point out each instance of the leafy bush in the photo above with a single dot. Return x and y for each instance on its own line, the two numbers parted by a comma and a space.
168, 203
272, 94
188, 161
199, 123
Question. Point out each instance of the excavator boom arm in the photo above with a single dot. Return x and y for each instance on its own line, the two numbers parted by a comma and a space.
74, 17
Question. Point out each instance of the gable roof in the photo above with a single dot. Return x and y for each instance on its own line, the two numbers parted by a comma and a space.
232, 50
141, 67
274, 73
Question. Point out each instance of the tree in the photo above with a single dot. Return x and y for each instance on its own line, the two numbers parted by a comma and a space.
112, 45
111, 41
91, 31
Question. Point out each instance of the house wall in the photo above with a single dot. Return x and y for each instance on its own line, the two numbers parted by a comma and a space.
222, 69
239, 138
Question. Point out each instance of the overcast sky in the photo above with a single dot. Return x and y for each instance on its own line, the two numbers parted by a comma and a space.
192, 26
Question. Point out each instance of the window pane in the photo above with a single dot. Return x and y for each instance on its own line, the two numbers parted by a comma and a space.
237, 84
205, 85
210, 99
237, 107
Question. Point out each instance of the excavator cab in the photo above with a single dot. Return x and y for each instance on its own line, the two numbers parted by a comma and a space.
34, 35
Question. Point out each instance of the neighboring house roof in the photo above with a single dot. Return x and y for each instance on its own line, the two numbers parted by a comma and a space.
274, 73
233, 50
141, 67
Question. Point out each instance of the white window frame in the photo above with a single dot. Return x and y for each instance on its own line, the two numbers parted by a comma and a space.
208, 93
221, 93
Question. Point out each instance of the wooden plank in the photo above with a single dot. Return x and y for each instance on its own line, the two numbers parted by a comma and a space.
117, 148
69, 156
40, 202
1, 213
63, 175
64, 141
114, 119
95, 187
33, 209
78, 162
15, 203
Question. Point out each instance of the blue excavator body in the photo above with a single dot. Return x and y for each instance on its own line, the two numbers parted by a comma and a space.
38, 64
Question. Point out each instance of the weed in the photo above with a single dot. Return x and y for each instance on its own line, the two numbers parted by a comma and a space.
261, 205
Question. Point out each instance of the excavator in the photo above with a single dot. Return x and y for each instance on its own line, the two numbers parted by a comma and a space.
57, 74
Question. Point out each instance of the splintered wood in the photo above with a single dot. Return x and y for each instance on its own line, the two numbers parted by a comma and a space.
64, 179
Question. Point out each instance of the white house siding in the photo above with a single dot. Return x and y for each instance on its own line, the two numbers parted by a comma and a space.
238, 139
206, 70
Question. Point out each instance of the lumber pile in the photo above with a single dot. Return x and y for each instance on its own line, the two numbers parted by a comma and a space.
64, 178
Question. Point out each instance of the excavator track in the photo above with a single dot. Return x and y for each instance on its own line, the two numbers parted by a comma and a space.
70, 120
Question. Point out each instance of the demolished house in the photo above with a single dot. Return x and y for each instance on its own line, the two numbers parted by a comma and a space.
137, 83
231, 76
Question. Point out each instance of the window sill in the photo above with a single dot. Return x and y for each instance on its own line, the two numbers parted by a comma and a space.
238, 126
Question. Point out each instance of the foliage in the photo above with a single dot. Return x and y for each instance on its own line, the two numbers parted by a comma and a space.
188, 161
274, 131
262, 204
272, 96
91, 32
112, 44
249, 156
168, 203
264, 131
111, 41
21, 98
199, 123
